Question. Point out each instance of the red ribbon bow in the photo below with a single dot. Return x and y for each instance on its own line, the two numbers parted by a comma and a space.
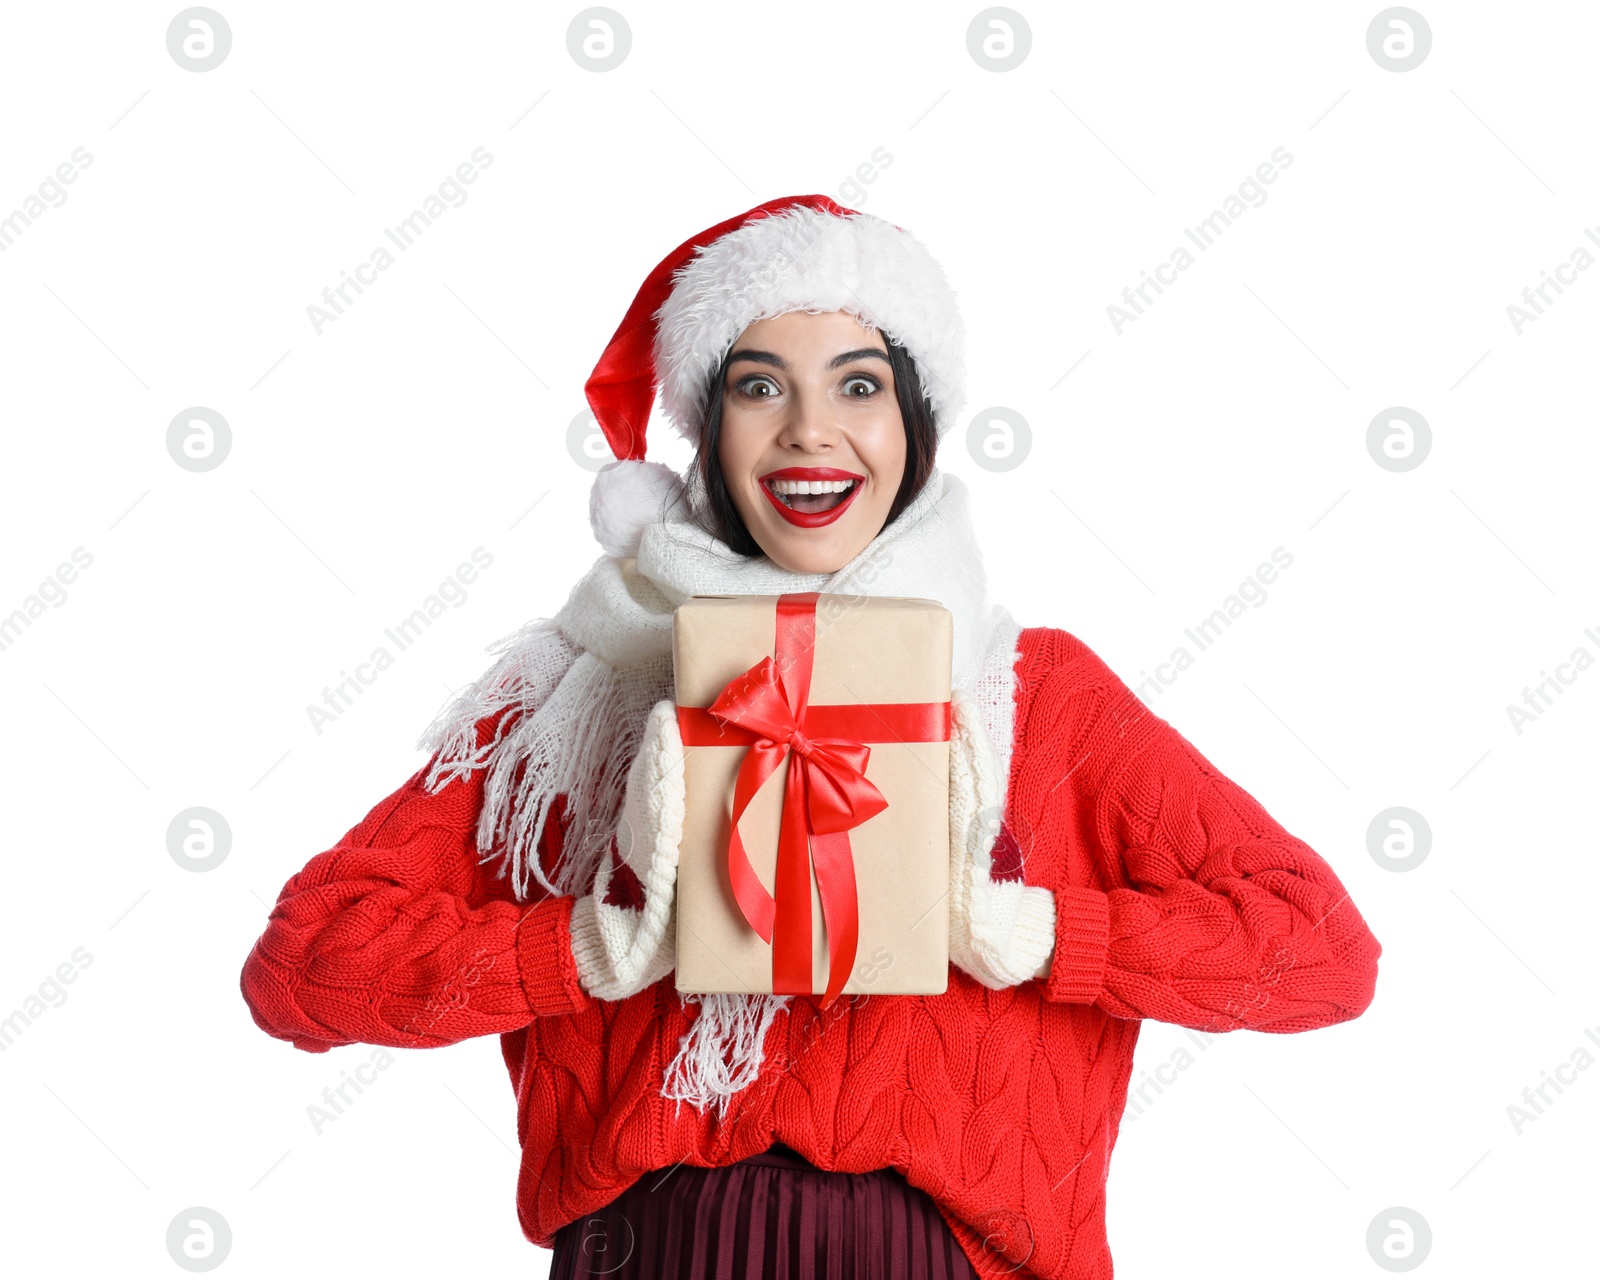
826, 792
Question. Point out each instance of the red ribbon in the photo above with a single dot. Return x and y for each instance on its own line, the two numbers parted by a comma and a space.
826, 792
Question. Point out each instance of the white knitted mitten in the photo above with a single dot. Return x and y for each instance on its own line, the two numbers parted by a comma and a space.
624, 931
1002, 931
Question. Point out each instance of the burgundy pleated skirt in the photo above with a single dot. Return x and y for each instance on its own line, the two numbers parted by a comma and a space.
774, 1216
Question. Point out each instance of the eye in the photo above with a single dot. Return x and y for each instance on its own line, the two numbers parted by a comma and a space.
747, 384
862, 379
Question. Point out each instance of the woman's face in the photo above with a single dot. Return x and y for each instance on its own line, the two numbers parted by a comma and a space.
809, 403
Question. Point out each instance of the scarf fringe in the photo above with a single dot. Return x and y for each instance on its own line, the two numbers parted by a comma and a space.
573, 737
508, 682
729, 1023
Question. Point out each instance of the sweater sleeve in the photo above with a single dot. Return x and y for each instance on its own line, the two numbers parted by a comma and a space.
398, 936
1205, 911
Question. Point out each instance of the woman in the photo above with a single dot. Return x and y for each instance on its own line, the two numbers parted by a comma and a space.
522, 882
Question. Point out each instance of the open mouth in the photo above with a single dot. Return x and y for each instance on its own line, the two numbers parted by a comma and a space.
811, 496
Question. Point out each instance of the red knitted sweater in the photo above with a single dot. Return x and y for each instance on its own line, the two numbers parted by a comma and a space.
1178, 898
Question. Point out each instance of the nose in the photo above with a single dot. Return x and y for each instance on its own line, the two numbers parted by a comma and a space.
809, 426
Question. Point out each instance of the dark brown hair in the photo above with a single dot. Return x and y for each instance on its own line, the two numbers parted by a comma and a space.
921, 443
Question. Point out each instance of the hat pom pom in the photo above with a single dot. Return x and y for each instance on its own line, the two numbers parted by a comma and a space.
628, 496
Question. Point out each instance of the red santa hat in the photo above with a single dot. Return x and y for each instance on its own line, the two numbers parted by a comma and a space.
798, 253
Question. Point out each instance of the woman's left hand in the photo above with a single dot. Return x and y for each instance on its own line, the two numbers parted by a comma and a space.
1002, 931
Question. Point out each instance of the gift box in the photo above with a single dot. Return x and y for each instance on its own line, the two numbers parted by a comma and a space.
816, 853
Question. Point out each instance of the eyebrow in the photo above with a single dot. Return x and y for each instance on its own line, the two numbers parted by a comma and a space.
778, 362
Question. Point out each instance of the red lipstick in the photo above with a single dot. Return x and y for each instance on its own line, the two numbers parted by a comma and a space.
811, 519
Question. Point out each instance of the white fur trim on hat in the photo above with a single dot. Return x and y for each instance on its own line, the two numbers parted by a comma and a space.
803, 259
627, 497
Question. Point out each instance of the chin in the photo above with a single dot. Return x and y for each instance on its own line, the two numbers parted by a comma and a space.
810, 563
800, 553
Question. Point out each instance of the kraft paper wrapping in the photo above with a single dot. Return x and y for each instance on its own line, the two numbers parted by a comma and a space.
868, 649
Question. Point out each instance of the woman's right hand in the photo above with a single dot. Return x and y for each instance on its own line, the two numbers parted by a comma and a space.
624, 931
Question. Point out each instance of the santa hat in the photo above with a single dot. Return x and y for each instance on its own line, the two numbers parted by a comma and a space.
798, 253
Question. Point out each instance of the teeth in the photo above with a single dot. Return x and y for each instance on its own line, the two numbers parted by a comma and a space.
811, 486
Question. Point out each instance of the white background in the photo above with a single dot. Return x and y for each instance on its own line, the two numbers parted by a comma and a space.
426, 421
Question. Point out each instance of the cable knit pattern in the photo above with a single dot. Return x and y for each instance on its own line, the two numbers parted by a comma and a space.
1177, 897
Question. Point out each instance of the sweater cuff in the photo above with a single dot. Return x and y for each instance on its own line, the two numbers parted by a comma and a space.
545, 960
1083, 935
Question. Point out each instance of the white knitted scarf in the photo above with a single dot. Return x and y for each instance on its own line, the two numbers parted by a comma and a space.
583, 682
